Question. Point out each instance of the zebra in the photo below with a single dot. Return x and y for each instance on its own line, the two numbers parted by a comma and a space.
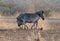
22, 19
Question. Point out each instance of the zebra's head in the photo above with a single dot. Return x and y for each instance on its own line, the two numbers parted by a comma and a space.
40, 14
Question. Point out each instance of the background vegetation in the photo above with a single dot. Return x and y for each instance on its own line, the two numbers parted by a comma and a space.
11, 7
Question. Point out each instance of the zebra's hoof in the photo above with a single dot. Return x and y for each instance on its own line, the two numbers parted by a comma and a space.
41, 28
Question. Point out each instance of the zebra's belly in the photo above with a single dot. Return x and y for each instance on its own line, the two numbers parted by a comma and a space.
31, 20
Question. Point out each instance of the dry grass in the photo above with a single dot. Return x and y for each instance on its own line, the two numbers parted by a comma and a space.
50, 32
12, 24
30, 35
45, 24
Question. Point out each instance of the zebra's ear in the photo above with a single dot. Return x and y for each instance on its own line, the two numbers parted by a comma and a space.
42, 11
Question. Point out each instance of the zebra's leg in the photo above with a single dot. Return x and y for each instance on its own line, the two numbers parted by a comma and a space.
25, 26
21, 27
36, 24
32, 26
